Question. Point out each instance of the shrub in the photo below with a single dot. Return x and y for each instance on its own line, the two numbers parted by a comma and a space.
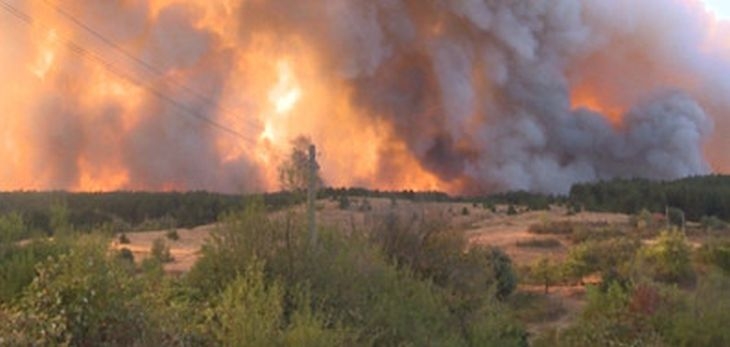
595, 233
242, 237
545, 272
344, 202
536, 308
18, 264
365, 206
160, 251
612, 255
433, 251
607, 321
465, 211
172, 235
12, 228
126, 254
540, 243
553, 228
352, 283
83, 298
59, 219
503, 272
251, 312
248, 312
650, 314
720, 256
389, 306
712, 223
123, 239
670, 258
699, 318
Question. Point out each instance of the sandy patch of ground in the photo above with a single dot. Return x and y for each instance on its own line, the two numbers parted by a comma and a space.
185, 251
482, 226
501, 230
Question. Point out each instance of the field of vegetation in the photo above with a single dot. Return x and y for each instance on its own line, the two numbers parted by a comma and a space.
387, 269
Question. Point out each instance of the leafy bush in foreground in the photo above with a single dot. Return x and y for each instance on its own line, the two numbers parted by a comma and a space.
82, 298
350, 281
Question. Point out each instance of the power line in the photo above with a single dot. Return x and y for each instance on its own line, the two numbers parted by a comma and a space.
141, 62
87, 54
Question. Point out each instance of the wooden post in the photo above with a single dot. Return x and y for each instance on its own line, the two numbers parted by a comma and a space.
312, 195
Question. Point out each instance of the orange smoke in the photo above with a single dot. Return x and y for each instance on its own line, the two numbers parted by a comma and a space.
592, 100
195, 94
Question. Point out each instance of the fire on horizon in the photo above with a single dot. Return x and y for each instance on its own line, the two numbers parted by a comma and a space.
463, 96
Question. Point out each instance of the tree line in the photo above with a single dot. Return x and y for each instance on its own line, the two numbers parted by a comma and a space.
697, 197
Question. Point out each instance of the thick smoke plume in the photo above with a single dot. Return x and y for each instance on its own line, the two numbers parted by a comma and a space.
468, 96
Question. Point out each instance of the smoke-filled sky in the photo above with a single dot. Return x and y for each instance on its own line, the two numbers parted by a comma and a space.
465, 96
720, 8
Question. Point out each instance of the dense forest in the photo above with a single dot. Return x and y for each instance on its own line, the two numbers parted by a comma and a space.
697, 197
128, 210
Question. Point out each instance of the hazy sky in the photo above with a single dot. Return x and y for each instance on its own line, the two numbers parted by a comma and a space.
721, 7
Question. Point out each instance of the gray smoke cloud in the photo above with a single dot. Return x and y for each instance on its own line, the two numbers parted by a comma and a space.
480, 92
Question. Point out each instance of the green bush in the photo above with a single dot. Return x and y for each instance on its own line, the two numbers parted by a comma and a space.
126, 254
123, 239
536, 308
503, 271
12, 228
242, 237
700, 318
83, 298
172, 235
606, 321
669, 258
552, 228
540, 243
434, 252
365, 205
546, 272
712, 223
353, 283
343, 202
160, 251
59, 219
251, 312
595, 233
720, 256
612, 256
650, 314
18, 264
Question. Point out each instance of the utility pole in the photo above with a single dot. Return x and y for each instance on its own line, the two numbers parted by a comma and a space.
311, 195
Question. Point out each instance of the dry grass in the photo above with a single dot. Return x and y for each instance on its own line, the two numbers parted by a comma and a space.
185, 250
483, 227
540, 243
